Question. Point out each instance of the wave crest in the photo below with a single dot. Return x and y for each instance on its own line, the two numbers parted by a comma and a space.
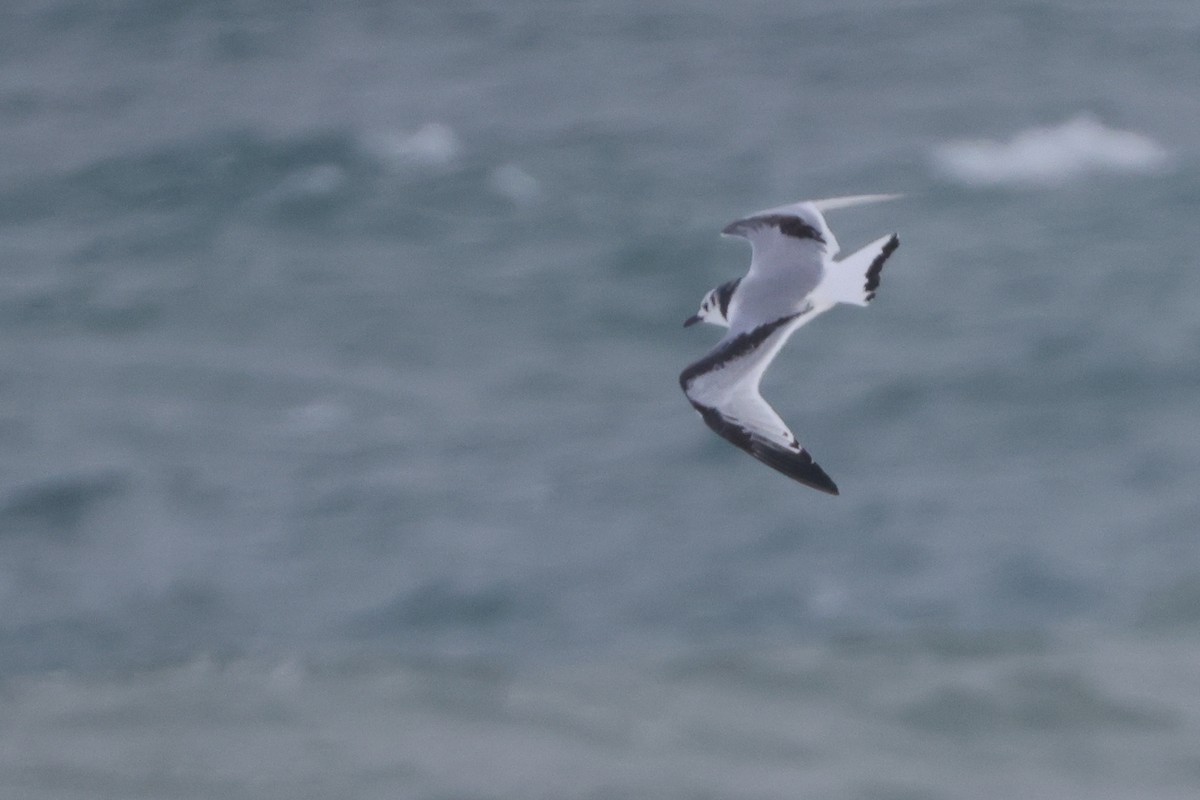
1050, 155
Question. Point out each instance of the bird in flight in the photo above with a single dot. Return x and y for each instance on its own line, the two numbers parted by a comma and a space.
793, 278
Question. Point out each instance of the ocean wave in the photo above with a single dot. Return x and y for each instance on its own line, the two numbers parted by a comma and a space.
511, 181
434, 144
58, 506
890, 720
1050, 155
198, 180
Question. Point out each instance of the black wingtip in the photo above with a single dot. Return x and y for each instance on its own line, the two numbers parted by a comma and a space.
800, 467
876, 267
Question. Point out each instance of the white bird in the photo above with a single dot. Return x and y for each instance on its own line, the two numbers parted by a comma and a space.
792, 280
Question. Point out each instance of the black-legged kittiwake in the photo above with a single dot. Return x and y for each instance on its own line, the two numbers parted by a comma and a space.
792, 279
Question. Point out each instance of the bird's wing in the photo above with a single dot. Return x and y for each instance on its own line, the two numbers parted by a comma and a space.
834, 203
723, 388
785, 244
795, 239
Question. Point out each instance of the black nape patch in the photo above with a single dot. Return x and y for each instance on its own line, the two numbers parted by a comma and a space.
725, 294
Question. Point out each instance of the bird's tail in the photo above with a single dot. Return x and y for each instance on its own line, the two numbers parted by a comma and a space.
855, 278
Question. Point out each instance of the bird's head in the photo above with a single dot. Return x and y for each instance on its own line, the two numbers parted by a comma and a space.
714, 308
710, 312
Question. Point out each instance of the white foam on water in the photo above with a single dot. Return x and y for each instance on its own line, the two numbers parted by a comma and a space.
1050, 155
511, 181
315, 181
434, 144
319, 416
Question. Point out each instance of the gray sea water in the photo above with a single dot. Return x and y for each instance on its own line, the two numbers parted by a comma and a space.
342, 453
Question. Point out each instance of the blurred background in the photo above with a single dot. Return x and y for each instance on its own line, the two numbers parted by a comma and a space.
342, 452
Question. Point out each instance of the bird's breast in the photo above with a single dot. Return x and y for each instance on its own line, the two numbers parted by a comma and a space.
761, 301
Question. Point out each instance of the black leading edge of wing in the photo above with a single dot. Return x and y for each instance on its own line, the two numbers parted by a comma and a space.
796, 463
739, 346
788, 225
